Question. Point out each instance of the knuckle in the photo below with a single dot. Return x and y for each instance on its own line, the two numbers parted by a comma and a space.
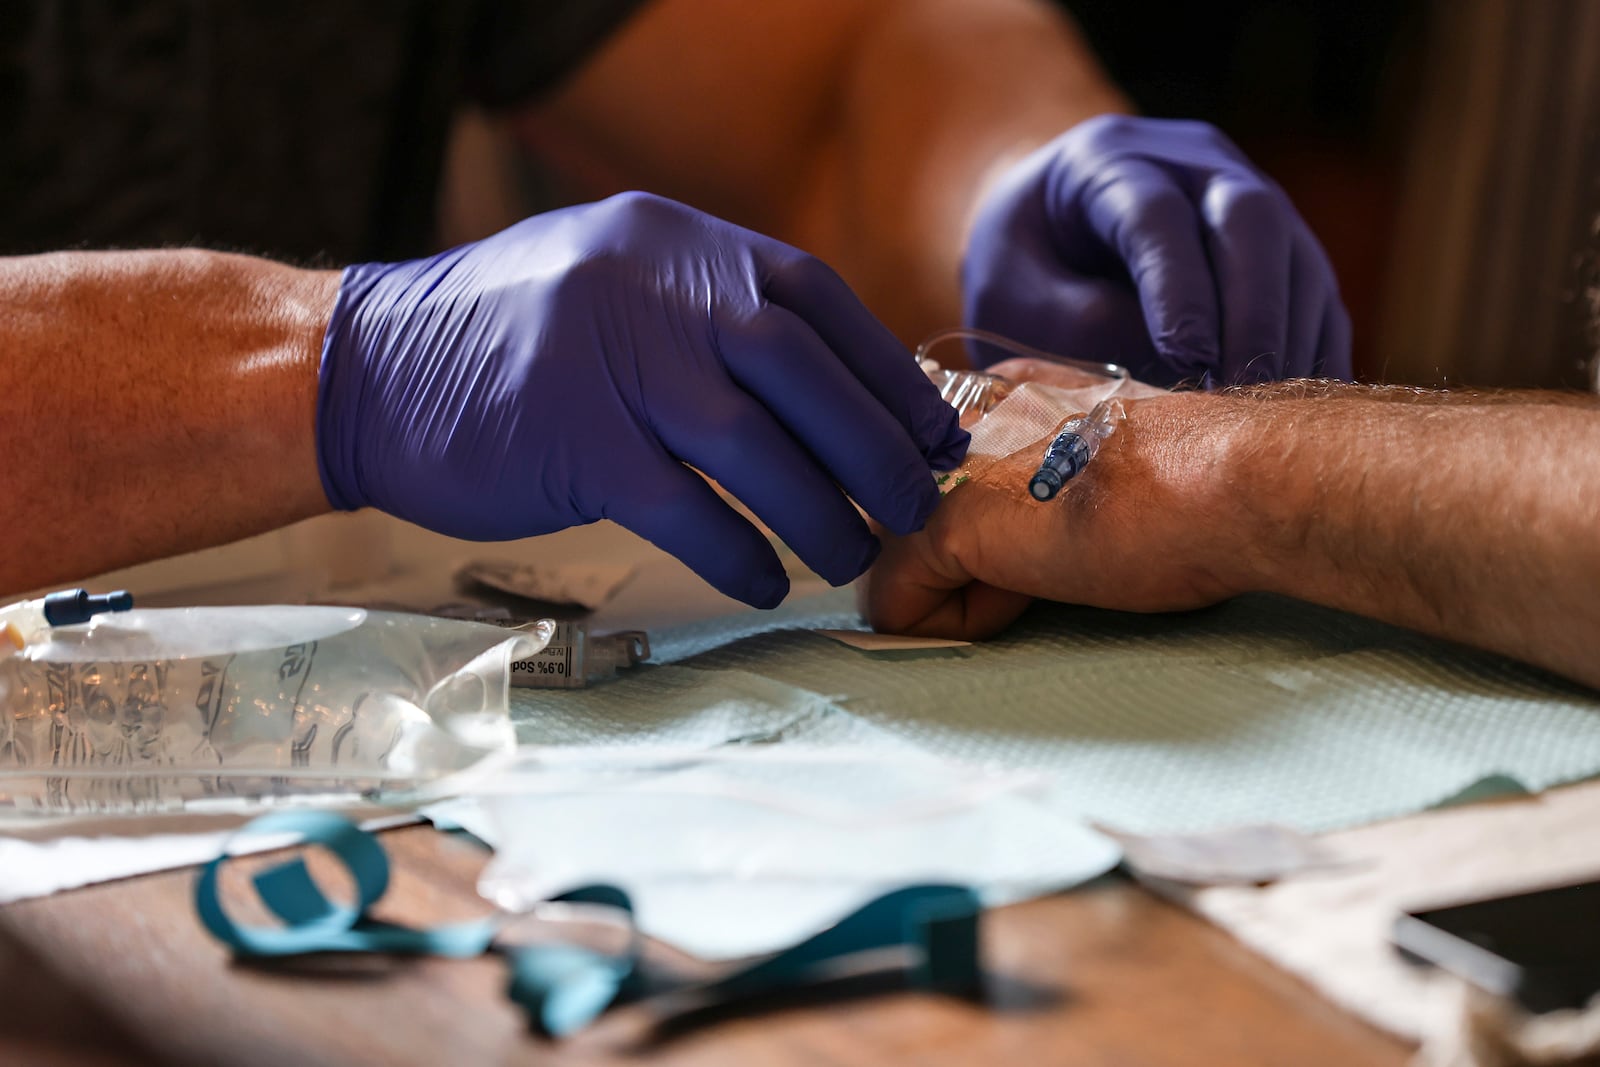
1246, 205
641, 209
1104, 132
1160, 208
802, 271
732, 429
747, 340
636, 200
1217, 140
589, 275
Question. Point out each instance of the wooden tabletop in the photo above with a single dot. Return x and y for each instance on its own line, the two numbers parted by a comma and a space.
1109, 974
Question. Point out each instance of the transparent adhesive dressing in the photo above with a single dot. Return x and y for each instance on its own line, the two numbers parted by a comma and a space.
1006, 415
1077, 442
195, 707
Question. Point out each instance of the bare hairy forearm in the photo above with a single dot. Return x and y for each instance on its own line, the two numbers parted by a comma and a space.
863, 131
153, 403
1471, 518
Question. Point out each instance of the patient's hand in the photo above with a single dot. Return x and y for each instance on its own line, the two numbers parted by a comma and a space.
1148, 526
1461, 515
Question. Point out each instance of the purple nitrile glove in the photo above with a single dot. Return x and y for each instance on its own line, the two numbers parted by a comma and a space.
566, 369
1157, 245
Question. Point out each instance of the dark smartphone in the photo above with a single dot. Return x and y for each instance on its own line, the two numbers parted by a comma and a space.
1541, 948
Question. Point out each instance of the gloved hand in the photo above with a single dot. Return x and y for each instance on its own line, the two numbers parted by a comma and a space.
566, 369
1155, 244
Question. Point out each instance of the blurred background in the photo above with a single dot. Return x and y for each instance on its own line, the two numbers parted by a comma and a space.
1447, 153
1321, 94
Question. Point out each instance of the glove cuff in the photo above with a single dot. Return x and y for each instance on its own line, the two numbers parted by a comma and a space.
341, 380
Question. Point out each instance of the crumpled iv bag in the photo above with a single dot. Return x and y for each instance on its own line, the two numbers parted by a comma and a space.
174, 708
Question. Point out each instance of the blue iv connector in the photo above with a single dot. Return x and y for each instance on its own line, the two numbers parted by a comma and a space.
1074, 446
1068, 454
72, 606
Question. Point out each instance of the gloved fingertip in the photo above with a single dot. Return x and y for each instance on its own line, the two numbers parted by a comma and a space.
917, 510
938, 427
767, 592
869, 556
949, 455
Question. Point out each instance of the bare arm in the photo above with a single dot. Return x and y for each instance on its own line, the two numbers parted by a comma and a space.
1473, 519
863, 131
152, 403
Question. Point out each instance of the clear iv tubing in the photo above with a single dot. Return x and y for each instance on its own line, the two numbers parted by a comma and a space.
976, 392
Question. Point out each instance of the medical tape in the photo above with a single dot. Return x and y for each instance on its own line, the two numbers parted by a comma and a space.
564, 987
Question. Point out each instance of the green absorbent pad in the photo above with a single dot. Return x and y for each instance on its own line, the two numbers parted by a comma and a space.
1260, 710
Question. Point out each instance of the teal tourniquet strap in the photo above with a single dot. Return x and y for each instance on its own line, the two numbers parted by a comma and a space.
565, 987
313, 923
937, 923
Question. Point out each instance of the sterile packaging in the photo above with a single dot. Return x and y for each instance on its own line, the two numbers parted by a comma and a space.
201, 707
746, 849
569, 657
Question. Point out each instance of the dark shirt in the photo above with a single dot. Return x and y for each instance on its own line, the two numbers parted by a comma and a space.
303, 129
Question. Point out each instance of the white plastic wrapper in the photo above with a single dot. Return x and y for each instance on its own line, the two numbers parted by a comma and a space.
188, 707
743, 850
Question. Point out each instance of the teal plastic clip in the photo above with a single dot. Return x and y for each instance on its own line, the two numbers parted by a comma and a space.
563, 988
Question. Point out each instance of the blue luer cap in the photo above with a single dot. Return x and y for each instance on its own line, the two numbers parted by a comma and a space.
72, 606
1045, 484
